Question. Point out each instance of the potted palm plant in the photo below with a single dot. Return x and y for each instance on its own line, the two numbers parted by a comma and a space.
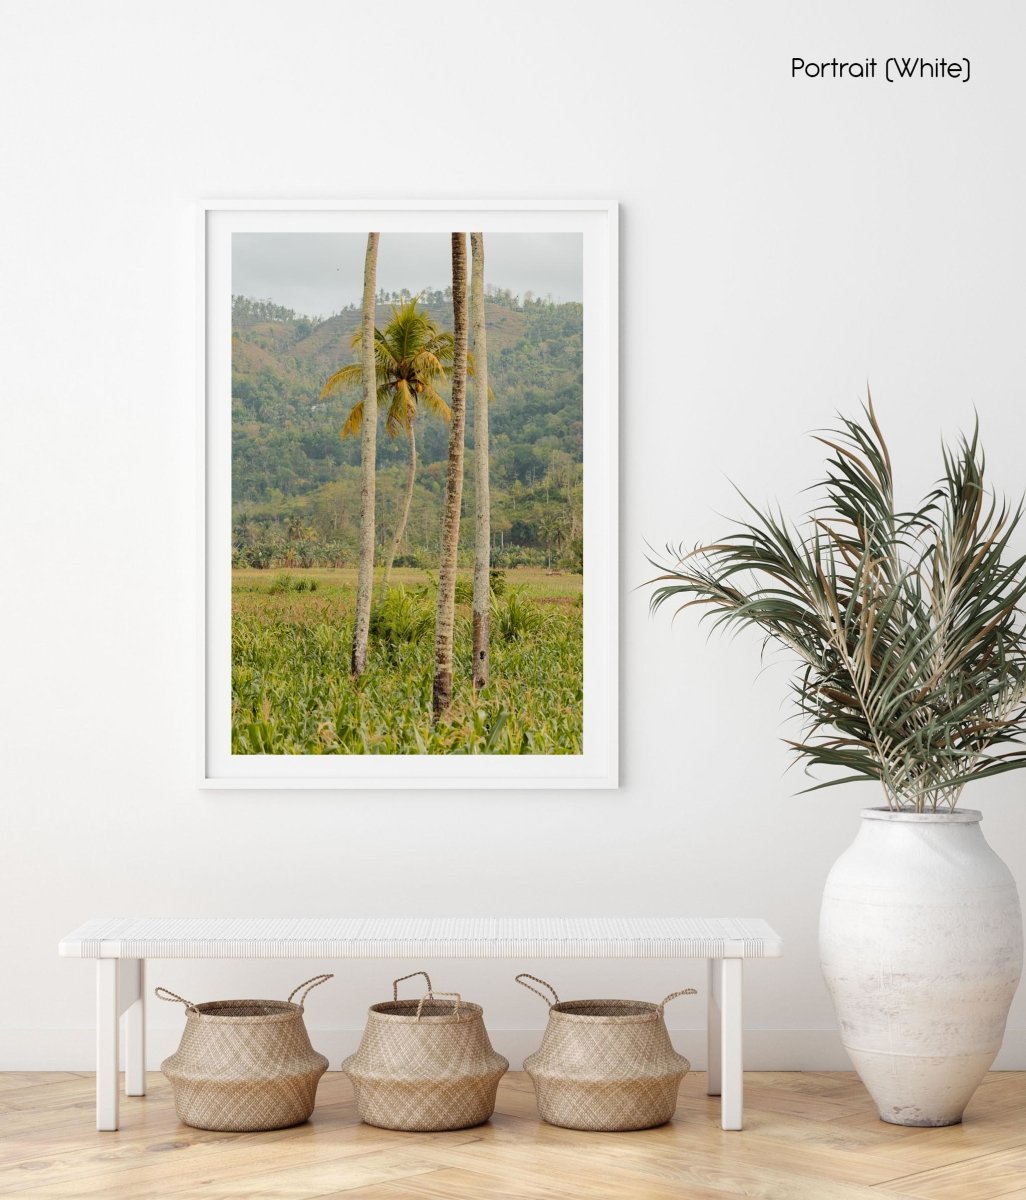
908, 631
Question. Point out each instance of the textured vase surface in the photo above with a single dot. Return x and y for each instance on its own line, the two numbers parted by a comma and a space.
921, 948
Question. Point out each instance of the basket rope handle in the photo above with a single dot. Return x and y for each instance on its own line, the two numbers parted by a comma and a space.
309, 985
674, 995
523, 975
397, 982
172, 997
432, 995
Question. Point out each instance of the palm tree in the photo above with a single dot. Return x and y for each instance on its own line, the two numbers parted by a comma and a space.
368, 463
441, 692
410, 355
483, 532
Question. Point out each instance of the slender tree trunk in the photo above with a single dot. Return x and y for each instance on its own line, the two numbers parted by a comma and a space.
482, 463
442, 691
368, 464
404, 515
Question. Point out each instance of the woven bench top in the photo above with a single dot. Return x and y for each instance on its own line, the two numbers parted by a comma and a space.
422, 937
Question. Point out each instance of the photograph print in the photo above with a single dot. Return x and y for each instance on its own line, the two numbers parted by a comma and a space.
410, 502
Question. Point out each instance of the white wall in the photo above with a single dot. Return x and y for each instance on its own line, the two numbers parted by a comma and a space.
782, 242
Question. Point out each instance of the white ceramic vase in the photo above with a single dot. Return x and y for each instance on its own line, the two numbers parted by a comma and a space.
921, 946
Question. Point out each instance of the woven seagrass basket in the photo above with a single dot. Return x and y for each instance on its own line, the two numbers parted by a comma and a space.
245, 1065
605, 1064
425, 1065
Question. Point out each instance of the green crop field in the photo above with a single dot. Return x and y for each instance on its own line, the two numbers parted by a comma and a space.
292, 692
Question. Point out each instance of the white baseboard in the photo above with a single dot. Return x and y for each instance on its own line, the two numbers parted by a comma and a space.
764, 1049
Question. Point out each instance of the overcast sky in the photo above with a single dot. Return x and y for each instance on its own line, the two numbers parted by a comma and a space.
320, 273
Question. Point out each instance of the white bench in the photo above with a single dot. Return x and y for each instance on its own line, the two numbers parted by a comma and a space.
121, 946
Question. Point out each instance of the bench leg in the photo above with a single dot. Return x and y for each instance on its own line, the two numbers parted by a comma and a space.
108, 1014
714, 1025
131, 998
727, 972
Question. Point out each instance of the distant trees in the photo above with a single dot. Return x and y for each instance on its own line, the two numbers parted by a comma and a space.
499, 296
410, 355
246, 309
427, 296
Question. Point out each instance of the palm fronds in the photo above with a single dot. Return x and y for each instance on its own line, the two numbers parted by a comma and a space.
908, 626
410, 355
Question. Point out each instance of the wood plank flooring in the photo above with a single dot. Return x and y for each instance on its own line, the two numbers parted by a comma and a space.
807, 1136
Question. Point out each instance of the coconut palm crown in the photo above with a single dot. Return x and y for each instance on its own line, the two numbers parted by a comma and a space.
411, 354
908, 626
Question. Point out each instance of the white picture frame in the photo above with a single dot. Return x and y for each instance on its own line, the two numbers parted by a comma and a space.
596, 767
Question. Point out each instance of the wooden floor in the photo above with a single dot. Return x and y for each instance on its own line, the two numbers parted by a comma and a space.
808, 1136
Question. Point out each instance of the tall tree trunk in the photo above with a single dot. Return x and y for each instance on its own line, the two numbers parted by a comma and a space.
404, 515
368, 464
441, 695
482, 463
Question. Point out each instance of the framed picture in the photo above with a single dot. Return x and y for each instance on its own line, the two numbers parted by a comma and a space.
474, 517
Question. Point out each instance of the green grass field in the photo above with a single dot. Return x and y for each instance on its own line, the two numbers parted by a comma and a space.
292, 692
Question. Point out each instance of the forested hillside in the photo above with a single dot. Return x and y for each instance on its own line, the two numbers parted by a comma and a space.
295, 481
